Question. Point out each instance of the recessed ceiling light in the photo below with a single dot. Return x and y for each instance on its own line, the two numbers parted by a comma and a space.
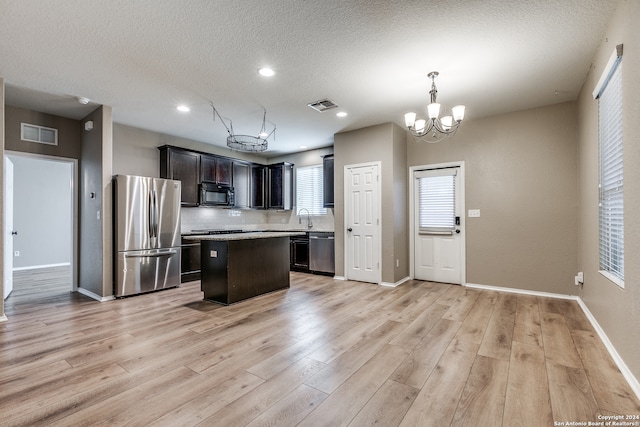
341, 114
266, 71
183, 108
303, 147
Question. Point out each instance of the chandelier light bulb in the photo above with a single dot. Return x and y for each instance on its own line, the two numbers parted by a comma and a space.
447, 122
458, 112
410, 119
420, 125
433, 110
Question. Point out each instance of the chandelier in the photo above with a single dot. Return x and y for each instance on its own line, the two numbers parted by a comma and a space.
434, 128
248, 143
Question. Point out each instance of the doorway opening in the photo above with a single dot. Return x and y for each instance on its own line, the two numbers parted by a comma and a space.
437, 223
41, 237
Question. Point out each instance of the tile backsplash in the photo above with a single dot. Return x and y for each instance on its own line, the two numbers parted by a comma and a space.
241, 219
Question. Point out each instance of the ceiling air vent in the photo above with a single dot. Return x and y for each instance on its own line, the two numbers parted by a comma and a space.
39, 134
323, 105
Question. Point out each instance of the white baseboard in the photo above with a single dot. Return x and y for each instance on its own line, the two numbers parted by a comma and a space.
36, 267
398, 283
626, 372
3, 318
624, 369
339, 278
96, 297
521, 291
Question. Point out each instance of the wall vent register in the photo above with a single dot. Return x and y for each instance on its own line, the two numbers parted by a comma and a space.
39, 134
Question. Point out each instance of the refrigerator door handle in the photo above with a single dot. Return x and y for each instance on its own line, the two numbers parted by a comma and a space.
152, 254
150, 215
155, 214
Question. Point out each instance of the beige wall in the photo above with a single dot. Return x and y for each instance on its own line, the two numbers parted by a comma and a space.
96, 233
303, 158
521, 173
135, 151
616, 310
399, 261
69, 133
383, 143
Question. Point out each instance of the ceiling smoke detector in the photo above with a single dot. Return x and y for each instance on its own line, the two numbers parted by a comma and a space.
323, 105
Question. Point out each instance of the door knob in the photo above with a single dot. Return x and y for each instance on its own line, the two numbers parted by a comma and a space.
349, 229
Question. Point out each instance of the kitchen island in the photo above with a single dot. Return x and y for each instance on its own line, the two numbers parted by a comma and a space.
240, 266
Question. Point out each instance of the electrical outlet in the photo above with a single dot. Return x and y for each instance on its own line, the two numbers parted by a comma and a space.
474, 213
16, 253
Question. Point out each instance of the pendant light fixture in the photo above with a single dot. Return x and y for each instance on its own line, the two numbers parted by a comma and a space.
434, 128
247, 143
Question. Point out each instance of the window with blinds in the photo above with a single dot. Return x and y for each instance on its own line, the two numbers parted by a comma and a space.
309, 190
611, 203
436, 204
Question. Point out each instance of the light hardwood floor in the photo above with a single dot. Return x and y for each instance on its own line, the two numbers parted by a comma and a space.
324, 352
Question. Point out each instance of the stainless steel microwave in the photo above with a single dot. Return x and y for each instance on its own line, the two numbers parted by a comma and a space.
212, 194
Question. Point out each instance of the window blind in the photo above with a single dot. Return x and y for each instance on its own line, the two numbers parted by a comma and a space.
611, 203
436, 203
309, 190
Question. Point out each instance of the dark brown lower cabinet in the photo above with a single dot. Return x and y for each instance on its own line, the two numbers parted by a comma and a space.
299, 253
236, 270
190, 261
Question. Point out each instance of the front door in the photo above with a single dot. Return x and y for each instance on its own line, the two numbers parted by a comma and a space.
438, 225
362, 221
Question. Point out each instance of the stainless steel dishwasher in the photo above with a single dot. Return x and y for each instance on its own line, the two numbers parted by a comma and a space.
321, 252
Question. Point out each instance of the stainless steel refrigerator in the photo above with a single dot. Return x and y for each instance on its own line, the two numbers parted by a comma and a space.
146, 234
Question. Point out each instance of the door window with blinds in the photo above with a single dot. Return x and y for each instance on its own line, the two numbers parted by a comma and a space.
437, 201
611, 202
309, 190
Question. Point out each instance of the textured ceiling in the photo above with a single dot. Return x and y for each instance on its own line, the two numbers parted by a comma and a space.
371, 57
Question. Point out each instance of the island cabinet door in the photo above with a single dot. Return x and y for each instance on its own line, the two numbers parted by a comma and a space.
213, 265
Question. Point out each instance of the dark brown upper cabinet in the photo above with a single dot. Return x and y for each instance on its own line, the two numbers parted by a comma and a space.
256, 186
216, 169
280, 186
242, 183
327, 181
184, 166
257, 199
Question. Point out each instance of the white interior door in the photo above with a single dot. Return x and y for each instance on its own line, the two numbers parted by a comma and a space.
438, 225
362, 221
8, 231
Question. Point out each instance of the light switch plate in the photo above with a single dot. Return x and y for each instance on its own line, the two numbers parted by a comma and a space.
474, 213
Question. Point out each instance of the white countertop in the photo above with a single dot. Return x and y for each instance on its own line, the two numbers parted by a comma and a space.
245, 236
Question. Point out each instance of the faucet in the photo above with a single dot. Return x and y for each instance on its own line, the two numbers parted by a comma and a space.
309, 223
